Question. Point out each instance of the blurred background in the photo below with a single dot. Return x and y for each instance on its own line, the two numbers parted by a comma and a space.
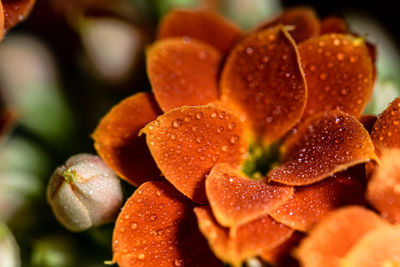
64, 67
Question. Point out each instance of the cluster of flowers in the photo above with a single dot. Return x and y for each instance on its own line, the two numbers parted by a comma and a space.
295, 82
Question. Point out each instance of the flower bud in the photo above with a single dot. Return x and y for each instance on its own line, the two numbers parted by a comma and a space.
84, 192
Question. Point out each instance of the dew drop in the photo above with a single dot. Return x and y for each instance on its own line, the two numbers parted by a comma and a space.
133, 226
177, 123
188, 119
224, 148
340, 56
213, 115
199, 115
141, 256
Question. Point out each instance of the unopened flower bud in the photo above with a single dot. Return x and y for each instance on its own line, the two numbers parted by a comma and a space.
84, 192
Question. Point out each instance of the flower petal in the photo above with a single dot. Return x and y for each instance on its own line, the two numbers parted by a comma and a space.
386, 130
183, 72
117, 142
334, 236
281, 255
157, 227
334, 24
15, 11
339, 73
311, 203
236, 245
305, 21
187, 142
323, 145
263, 83
379, 247
383, 191
236, 200
203, 25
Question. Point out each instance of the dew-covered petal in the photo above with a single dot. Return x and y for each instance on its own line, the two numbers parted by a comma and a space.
368, 121
187, 142
339, 73
13, 12
309, 204
237, 244
236, 199
386, 131
323, 145
305, 21
263, 83
203, 25
183, 72
335, 235
383, 190
117, 142
282, 254
380, 247
157, 227
333, 24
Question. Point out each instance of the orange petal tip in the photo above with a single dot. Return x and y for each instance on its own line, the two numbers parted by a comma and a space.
304, 20
263, 83
187, 142
383, 190
335, 235
236, 200
309, 204
339, 73
324, 144
203, 25
249, 240
157, 227
183, 72
117, 142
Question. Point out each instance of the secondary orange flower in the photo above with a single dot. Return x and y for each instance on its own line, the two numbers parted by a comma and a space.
13, 12
269, 87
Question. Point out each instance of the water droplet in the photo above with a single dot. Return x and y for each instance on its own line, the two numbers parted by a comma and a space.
231, 125
153, 217
199, 139
213, 115
188, 119
224, 148
340, 56
177, 262
353, 59
199, 115
177, 123
133, 226
234, 139
157, 123
141, 256
220, 129
151, 127
336, 42
249, 50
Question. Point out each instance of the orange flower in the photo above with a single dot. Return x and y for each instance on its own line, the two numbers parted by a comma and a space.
221, 90
13, 12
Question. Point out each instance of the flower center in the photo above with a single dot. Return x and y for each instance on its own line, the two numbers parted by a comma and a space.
261, 160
